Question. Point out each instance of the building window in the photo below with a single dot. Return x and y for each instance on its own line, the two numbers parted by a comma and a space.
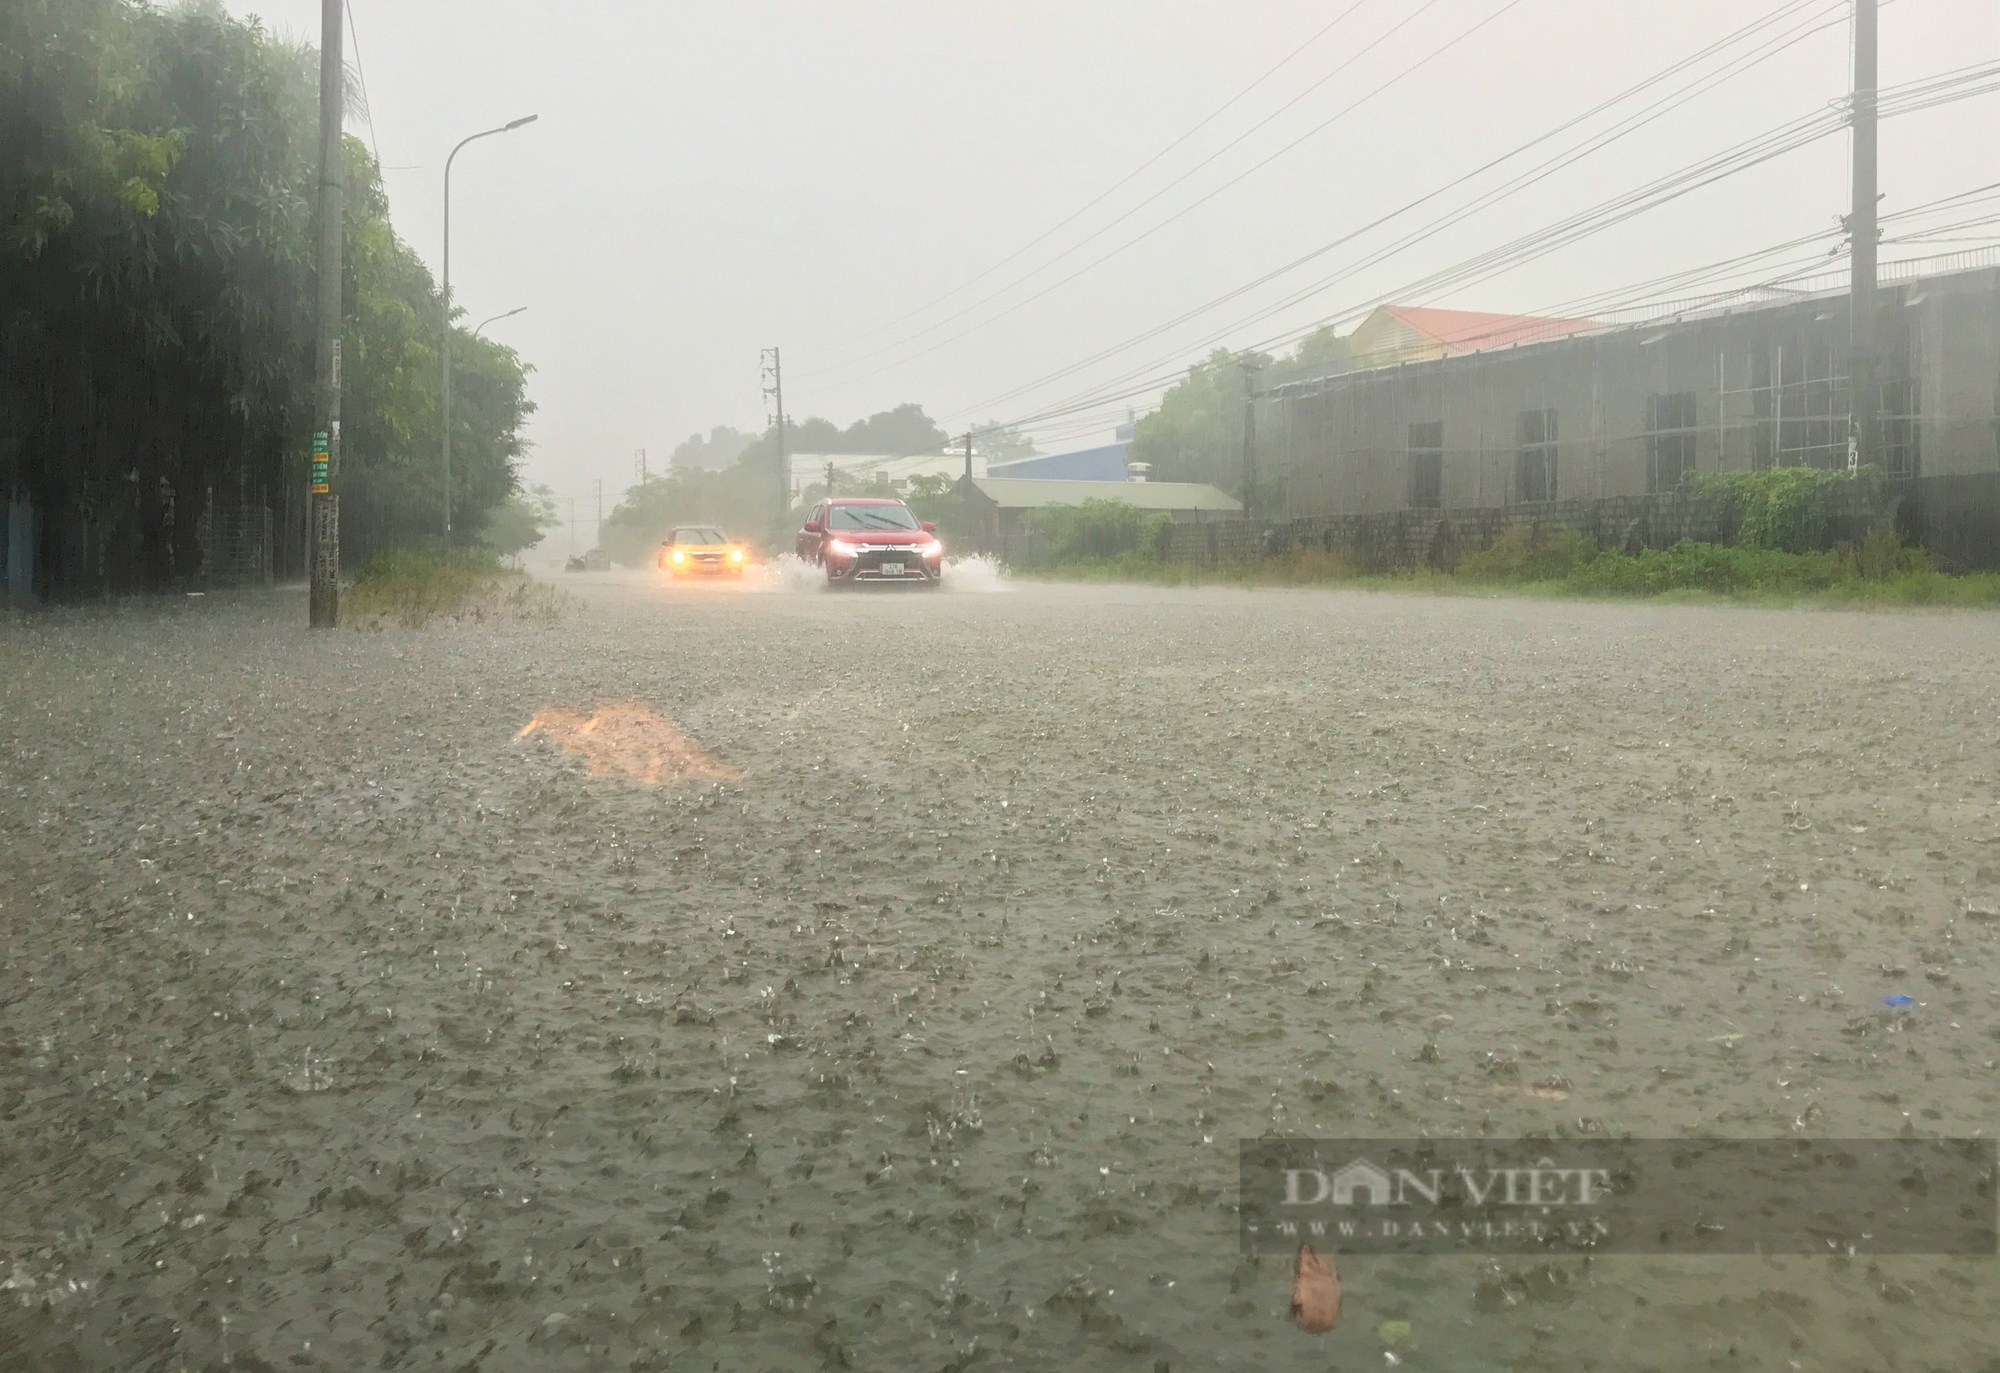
1799, 398
1535, 463
1426, 455
1898, 429
1669, 440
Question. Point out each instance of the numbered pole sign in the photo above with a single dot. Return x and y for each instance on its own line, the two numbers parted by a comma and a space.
320, 484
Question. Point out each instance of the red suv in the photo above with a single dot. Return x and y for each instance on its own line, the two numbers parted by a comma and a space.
857, 539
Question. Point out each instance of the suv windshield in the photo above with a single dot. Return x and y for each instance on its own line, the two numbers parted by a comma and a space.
698, 534
870, 517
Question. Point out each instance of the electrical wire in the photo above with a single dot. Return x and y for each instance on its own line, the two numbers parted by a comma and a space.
1895, 101
1522, 181
1110, 190
361, 73
1777, 16
1178, 214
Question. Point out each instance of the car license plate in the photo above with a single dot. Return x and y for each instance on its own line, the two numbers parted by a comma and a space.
892, 569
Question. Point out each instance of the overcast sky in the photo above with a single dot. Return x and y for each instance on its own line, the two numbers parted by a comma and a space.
710, 179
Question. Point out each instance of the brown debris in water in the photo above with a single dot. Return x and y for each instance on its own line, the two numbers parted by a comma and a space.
1315, 1292
625, 739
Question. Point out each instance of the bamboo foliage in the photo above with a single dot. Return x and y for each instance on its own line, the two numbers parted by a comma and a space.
156, 288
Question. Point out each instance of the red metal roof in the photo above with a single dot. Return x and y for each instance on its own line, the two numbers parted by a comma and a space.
1469, 331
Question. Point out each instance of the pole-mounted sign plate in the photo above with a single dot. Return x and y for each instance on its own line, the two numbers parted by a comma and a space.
320, 484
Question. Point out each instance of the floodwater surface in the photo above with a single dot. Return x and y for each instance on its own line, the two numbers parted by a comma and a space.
903, 1006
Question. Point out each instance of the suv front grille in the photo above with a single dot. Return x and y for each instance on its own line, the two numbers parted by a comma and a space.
871, 559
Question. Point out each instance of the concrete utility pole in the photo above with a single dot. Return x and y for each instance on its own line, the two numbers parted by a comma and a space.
323, 507
774, 391
968, 455
1249, 440
444, 345
1864, 382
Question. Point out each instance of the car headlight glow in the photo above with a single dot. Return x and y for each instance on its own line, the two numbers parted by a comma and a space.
932, 549
840, 546
736, 555
679, 556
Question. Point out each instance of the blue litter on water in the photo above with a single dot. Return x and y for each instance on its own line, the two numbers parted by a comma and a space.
1897, 1000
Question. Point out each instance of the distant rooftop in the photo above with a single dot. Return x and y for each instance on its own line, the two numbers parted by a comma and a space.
1089, 464
1020, 493
1408, 333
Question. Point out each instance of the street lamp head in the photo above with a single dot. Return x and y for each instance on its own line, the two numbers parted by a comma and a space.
529, 119
497, 318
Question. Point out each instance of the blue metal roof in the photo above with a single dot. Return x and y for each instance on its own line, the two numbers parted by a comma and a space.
1105, 464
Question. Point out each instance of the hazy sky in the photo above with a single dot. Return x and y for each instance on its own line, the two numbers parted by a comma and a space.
710, 179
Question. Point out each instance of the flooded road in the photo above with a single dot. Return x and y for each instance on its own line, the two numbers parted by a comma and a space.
915, 1027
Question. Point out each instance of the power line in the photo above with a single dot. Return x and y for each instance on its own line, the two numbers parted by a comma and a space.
367, 105
1096, 411
1115, 187
1542, 171
1106, 228
1913, 96
1643, 117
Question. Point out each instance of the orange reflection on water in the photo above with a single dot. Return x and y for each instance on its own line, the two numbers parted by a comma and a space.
625, 739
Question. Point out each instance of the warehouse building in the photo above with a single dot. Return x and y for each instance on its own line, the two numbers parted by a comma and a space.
1446, 413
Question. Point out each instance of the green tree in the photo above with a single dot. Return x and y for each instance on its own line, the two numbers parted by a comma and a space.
1002, 442
1197, 433
739, 498
905, 429
521, 521
1324, 350
722, 447
156, 300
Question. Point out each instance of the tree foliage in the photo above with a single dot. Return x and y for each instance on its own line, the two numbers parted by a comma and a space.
521, 521
999, 442
722, 447
1197, 433
739, 498
1325, 350
1099, 529
157, 221
905, 429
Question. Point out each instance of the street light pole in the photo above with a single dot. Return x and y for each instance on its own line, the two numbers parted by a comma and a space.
444, 347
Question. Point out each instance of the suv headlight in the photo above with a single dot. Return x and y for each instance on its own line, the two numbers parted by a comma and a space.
840, 546
932, 549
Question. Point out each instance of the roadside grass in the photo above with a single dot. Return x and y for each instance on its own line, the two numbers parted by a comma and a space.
1881, 573
412, 588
